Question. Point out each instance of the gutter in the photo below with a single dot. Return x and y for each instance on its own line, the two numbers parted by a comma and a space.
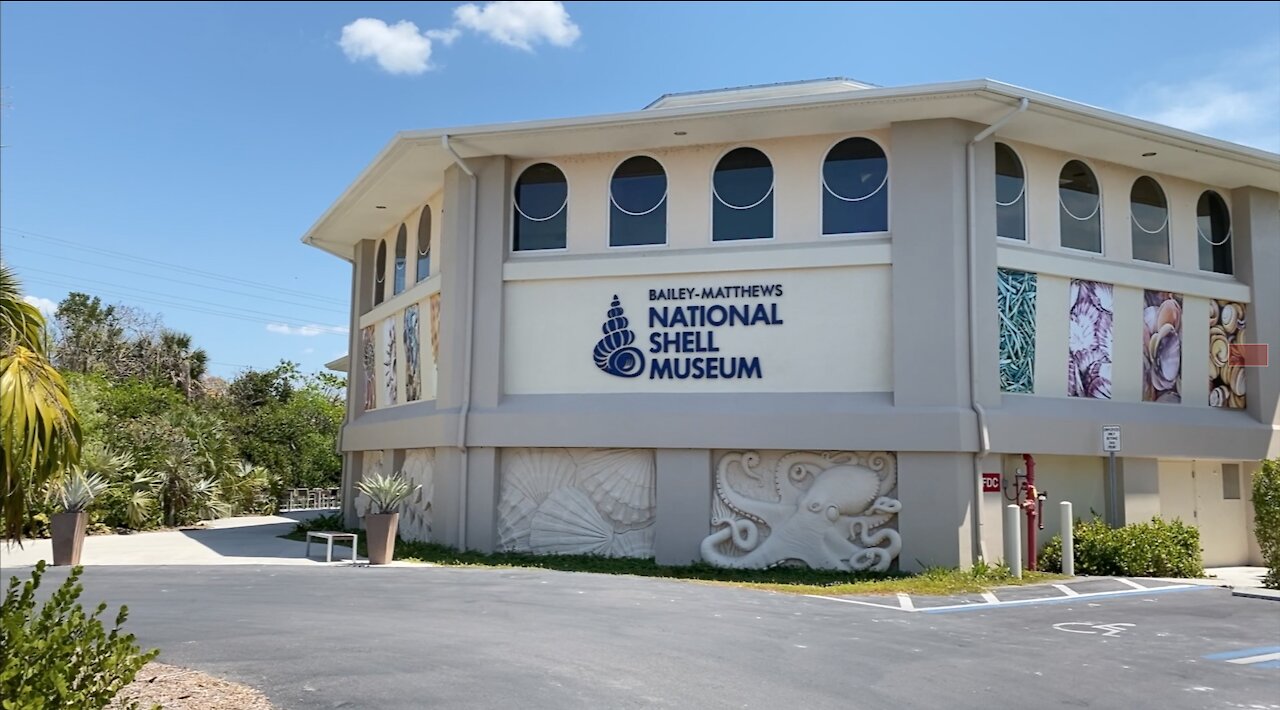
468, 315
984, 434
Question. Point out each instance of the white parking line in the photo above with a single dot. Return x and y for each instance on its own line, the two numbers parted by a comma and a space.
1256, 659
990, 598
904, 601
909, 606
1129, 582
1068, 591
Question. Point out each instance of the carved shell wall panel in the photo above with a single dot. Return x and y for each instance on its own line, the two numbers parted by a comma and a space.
823, 509
416, 512
370, 465
577, 501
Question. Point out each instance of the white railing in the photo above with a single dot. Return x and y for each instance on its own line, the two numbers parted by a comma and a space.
310, 499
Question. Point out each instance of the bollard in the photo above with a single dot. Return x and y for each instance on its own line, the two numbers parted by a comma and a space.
1013, 540
1068, 539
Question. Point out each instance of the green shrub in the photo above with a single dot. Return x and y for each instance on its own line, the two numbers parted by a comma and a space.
329, 522
1266, 518
1159, 548
57, 656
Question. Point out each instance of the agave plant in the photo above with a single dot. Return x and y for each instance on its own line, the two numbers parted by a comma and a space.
75, 492
386, 493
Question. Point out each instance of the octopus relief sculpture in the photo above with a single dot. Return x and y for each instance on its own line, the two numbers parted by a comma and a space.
827, 510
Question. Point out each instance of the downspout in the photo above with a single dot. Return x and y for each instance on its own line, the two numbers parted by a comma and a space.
984, 434
465, 409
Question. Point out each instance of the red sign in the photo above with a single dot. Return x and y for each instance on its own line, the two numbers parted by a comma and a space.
990, 483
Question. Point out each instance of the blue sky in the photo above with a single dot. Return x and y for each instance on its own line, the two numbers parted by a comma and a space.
204, 139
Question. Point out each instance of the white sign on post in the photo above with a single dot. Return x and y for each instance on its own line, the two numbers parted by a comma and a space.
1111, 438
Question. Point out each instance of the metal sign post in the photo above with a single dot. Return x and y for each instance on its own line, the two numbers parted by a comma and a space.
1111, 445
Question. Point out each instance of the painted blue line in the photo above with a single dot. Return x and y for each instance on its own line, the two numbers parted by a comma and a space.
1066, 600
1241, 653
1265, 664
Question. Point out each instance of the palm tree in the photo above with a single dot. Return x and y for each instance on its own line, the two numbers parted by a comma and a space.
39, 430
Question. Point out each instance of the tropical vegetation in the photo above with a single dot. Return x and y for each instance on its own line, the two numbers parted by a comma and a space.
1266, 518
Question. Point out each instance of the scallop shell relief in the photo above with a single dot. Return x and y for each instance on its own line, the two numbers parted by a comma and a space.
615, 353
577, 502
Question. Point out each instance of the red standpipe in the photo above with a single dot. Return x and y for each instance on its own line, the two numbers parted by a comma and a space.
1031, 505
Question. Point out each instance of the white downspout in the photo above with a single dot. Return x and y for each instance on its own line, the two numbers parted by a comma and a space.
984, 435
465, 409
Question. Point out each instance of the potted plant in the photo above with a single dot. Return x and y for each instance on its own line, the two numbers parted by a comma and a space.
386, 493
72, 494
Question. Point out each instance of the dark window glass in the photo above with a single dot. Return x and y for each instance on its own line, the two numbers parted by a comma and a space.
855, 188
1149, 218
742, 196
380, 273
638, 203
541, 208
1213, 223
401, 239
1011, 195
1080, 208
424, 243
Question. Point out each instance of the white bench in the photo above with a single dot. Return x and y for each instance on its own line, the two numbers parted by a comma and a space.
329, 537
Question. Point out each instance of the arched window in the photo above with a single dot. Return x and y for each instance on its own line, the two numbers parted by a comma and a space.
1149, 219
855, 188
638, 203
1213, 225
401, 247
424, 243
742, 196
541, 205
380, 273
1079, 208
1011, 195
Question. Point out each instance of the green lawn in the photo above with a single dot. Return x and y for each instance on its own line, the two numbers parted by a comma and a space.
789, 580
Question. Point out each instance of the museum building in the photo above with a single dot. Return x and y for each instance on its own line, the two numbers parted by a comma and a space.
798, 323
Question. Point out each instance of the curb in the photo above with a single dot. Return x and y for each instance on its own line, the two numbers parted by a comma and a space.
1250, 593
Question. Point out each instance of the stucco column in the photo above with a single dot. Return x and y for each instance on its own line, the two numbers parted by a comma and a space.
683, 504
1255, 227
929, 225
1140, 490
362, 257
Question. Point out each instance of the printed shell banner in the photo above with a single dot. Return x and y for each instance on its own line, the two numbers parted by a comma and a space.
1162, 347
368, 361
1016, 304
1089, 340
412, 380
1226, 376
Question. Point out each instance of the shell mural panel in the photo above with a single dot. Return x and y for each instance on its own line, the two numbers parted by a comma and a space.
1162, 347
827, 510
1226, 372
368, 361
577, 501
415, 513
389, 361
412, 356
1089, 340
370, 465
1016, 305
433, 303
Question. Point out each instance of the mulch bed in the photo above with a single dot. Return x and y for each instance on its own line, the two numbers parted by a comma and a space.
175, 688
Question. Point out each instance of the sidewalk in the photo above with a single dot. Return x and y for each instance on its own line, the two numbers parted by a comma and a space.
249, 540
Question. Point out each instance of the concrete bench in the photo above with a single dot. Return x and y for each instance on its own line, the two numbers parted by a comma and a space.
329, 537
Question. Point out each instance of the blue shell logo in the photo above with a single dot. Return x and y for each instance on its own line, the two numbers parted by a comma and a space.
615, 353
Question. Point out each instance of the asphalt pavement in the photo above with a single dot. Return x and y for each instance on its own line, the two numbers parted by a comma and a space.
368, 637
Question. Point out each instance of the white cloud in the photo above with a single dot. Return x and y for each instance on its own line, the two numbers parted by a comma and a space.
44, 305
308, 351
520, 24
445, 37
304, 330
1234, 97
398, 48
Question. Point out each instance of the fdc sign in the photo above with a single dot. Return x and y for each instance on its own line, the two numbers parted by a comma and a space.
682, 342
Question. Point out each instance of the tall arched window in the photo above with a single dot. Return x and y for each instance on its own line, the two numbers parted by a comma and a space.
424, 244
1011, 195
1079, 208
541, 205
380, 273
855, 188
742, 196
1213, 226
401, 249
638, 203
1149, 219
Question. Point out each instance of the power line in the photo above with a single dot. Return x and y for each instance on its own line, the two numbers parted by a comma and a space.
155, 262
184, 282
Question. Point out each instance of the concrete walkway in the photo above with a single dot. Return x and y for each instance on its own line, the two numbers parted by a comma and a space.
249, 540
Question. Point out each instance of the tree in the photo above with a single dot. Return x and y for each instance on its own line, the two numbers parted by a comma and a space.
288, 423
39, 431
91, 336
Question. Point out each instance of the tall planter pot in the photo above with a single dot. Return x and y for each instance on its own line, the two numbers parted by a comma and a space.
380, 531
67, 530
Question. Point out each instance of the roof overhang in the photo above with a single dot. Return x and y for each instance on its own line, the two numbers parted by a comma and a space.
411, 167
